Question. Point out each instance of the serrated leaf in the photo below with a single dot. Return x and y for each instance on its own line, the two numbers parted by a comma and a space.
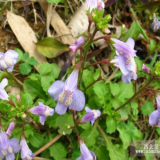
36, 140
58, 151
63, 122
90, 136
147, 108
111, 124
101, 90
127, 91
50, 47
25, 68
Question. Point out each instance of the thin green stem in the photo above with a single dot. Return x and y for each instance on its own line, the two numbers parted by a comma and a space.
85, 56
136, 94
15, 79
75, 124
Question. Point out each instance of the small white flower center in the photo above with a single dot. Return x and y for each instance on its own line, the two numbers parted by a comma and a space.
10, 150
95, 113
4, 152
69, 99
2, 63
47, 111
62, 96
9, 62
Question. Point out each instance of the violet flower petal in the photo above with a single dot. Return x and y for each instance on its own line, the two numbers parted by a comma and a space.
42, 119
88, 109
3, 93
122, 65
10, 128
14, 143
130, 42
80, 158
145, 68
126, 78
78, 101
71, 81
10, 156
91, 4
61, 108
25, 151
154, 117
55, 89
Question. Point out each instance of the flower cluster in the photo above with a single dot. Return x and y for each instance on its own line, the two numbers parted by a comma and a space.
156, 24
125, 59
91, 4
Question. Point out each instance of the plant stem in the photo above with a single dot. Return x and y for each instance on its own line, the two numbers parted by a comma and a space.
112, 75
48, 144
85, 56
75, 124
136, 94
15, 79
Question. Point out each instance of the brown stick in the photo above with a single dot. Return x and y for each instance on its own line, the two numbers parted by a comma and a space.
48, 144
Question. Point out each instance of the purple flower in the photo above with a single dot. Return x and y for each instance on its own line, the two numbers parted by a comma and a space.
155, 115
125, 59
10, 128
8, 60
156, 24
3, 93
145, 68
101, 4
8, 146
91, 4
67, 94
91, 115
26, 153
78, 43
42, 111
85, 153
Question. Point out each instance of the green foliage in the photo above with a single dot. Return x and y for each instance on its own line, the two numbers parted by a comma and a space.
111, 123
50, 47
134, 31
25, 68
90, 135
157, 68
147, 108
58, 151
64, 122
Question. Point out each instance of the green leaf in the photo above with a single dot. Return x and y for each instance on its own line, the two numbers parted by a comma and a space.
127, 91
46, 82
101, 90
34, 88
116, 152
147, 108
134, 31
101, 152
29, 131
4, 107
114, 87
50, 47
124, 135
90, 136
111, 124
152, 46
45, 68
32, 61
25, 57
58, 151
63, 122
25, 68
36, 140
20, 54
26, 100
56, 1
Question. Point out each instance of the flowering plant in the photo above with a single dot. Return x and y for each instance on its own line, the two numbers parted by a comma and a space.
89, 110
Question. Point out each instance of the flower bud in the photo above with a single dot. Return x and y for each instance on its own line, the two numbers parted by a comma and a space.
10, 128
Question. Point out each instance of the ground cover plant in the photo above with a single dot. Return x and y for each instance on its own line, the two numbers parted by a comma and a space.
102, 102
